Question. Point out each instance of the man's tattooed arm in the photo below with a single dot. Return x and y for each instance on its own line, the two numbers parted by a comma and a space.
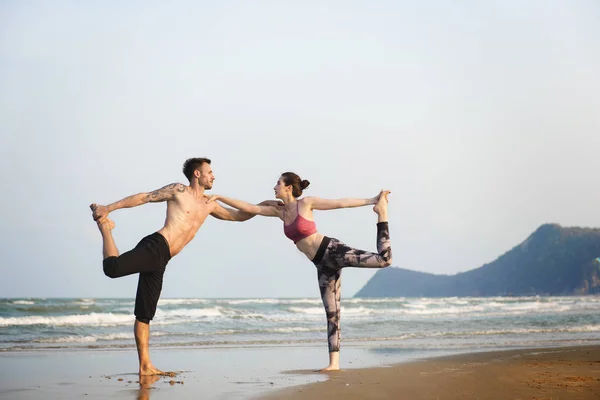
163, 194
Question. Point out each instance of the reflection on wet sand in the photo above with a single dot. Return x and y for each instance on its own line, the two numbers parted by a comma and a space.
146, 382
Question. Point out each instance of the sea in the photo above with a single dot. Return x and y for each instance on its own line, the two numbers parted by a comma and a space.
414, 325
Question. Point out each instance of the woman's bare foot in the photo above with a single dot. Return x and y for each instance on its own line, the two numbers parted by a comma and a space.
381, 206
105, 224
334, 362
330, 368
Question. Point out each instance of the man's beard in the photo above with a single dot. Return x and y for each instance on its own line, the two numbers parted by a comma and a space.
208, 186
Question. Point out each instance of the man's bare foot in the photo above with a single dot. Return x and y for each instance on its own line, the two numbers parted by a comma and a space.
94, 208
98, 211
152, 370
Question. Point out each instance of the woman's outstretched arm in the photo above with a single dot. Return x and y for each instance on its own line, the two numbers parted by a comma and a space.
265, 210
317, 203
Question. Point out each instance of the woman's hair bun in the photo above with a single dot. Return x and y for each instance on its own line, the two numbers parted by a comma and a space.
305, 184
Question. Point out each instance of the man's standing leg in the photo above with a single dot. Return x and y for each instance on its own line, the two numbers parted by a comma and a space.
141, 330
145, 299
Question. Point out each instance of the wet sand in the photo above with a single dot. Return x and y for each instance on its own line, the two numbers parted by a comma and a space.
207, 373
539, 374
288, 372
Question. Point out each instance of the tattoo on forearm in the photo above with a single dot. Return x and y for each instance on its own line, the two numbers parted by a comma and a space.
166, 192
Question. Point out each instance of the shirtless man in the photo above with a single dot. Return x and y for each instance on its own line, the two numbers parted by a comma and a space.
187, 208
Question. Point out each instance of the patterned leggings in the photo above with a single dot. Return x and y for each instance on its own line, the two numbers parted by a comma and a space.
334, 255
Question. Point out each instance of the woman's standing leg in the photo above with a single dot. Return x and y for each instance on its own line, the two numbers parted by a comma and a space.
329, 270
330, 281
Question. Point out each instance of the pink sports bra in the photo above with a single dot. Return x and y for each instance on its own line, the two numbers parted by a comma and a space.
300, 229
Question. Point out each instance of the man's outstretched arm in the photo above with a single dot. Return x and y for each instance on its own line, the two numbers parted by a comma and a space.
163, 194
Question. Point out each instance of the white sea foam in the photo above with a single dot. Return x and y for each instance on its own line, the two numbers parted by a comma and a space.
93, 319
424, 321
302, 301
268, 301
294, 329
376, 301
165, 302
67, 339
517, 331
252, 331
290, 309
417, 306
191, 313
250, 301
86, 339
307, 310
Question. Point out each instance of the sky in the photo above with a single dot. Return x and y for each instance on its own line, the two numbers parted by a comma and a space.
482, 118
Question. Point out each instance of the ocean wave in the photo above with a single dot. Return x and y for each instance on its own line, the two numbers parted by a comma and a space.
93, 319
191, 313
247, 331
525, 331
307, 310
282, 310
166, 302
302, 301
64, 309
268, 301
196, 334
386, 300
408, 311
295, 329
22, 302
85, 339
528, 307
213, 313
521, 332
249, 301
85, 301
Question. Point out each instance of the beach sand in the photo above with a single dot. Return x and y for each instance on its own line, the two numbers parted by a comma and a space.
537, 374
207, 373
288, 372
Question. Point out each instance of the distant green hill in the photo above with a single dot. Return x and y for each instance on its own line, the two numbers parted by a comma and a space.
552, 261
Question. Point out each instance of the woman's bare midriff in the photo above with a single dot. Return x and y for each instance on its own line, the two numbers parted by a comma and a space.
310, 245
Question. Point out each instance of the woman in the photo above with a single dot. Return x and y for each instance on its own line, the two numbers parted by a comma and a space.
328, 254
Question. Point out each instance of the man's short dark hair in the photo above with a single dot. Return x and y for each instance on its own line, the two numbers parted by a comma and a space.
192, 164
